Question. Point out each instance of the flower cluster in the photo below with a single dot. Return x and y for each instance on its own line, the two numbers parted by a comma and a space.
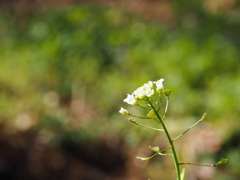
144, 91
147, 90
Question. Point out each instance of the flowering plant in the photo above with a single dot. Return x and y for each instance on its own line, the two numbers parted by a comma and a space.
149, 97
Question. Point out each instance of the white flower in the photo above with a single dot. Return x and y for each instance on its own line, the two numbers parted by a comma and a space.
130, 100
139, 93
149, 92
149, 84
159, 85
123, 111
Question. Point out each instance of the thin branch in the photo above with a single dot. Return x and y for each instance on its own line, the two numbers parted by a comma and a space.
208, 165
139, 117
147, 158
202, 118
166, 109
137, 123
165, 154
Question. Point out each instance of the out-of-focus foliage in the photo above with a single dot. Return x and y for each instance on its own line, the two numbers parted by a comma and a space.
64, 73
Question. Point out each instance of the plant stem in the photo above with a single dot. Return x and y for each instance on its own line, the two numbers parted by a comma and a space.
166, 109
173, 152
137, 123
138, 117
170, 142
202, 118
210, 165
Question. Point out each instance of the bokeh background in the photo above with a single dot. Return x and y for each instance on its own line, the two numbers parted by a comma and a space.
66, 66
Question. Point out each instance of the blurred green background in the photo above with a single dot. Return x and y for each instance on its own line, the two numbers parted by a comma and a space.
65, 69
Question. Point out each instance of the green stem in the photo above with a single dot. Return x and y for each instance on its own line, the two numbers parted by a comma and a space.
165, 149
208, 165
147, 158
160, 102
137, 123
166, 109
219, 163
202, 118
170, 142
165, 154
138, 117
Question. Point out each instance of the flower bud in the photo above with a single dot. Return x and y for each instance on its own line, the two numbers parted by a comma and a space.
167, 92
124, 111
151, 114
154, 149
159, 85
132, 121
221, 162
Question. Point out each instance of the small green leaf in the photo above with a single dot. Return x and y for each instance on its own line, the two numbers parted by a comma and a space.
154, 149
221, 162
183, 174
144, 159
